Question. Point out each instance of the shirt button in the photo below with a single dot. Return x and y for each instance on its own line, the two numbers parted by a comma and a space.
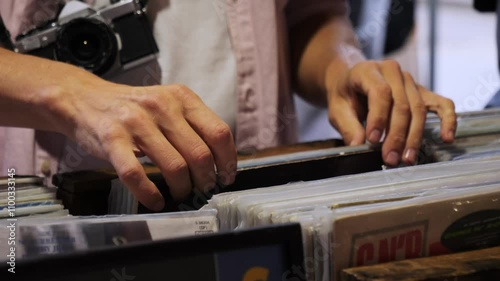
249, 97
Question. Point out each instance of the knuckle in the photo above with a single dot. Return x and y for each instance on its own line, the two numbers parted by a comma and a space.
383, 90
202, 156
152, 101
398, 140
453, 122
131, 173
185, 95
408, 77
452, 117
447, 108
370, 64
177, 166
141, 91
449, 104
419, 108
415, 142
402, 108
378, 121
392, 64
111, 134
134, 118
181, 88
149, 193
221, 133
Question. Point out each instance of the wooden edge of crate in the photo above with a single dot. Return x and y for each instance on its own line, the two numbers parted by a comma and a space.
429, 268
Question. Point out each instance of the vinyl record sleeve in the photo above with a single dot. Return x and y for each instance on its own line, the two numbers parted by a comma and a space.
239, 209
53, 235
445, 223
263, 213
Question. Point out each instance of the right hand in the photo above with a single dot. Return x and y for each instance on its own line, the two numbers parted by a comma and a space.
187, 141
169, 124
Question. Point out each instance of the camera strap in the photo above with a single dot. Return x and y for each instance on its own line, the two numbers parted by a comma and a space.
142, 2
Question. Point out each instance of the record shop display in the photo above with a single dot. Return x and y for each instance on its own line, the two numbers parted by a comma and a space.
347, 211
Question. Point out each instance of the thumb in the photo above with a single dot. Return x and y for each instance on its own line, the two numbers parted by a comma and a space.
344, 118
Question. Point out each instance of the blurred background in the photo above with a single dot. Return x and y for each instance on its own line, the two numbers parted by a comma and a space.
459, 63
466, 68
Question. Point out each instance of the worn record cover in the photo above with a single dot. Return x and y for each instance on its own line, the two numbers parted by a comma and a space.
44, 236
456, 221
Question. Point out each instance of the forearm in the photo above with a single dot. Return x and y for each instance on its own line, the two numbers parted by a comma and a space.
31, 90
322, 44
169, 124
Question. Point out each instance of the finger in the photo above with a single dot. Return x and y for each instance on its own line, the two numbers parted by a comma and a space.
344, 118
445, 109
132, 174
138, 153
217, 135
194, 150
418, 116
214, 132
368, 80
171, 163
400, 116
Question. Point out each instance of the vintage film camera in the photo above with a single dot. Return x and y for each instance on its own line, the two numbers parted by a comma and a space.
107, 41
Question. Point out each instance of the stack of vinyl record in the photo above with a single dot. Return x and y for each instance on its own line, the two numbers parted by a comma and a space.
478, 135
380, 216
68, 234
347, 220
33, 223
27, 196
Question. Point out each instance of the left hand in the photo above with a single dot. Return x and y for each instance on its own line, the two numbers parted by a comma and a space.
391, 102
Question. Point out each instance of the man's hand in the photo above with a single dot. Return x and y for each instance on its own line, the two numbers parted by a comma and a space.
391, 103
330, 70
169, 124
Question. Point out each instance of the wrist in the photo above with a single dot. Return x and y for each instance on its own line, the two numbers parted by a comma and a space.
53, 103
337, 70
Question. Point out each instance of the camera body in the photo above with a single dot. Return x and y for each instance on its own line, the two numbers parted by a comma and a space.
106, 42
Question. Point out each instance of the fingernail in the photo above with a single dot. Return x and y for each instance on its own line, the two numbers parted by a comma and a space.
226, 179
450, 135
158, 206
223, 178
411, 155
375, 136
393, 158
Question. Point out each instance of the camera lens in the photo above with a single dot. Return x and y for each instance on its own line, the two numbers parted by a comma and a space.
88, 43
85, 48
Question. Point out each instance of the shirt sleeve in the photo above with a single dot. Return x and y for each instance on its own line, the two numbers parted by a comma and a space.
298, 10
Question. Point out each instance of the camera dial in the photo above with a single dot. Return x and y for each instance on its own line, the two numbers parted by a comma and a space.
88, 43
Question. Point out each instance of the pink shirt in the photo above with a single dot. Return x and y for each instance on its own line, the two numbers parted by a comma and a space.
265, 113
